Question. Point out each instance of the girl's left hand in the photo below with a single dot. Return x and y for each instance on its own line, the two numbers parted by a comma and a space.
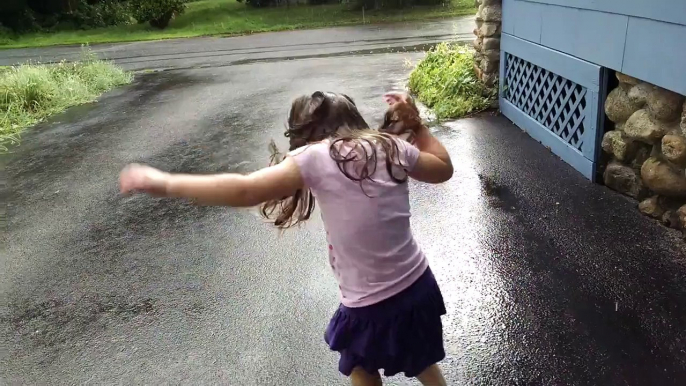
146, 179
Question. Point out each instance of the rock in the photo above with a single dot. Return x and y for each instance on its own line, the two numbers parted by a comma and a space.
642, 127
491, 12
491, 54
664, 104
489, 29
674, 149
671, 219
624, 179
491, 2
480, 14
663, 179
638, 94
614, 143
618, 106
478, 44
477, 70
651, 207
489, 66
683, 120
490, 80
643, 152
627, 79
491, 44
681, 214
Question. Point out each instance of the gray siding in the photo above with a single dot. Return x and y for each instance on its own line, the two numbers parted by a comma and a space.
642, 38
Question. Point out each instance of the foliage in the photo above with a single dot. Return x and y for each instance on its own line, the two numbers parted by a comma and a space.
76, 14
228, 17
446, 82
157, 12
32, 92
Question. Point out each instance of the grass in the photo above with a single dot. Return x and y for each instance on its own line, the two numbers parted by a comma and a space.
446, 82
32, 92
228, 17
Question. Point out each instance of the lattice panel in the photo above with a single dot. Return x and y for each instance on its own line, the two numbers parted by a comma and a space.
555, 102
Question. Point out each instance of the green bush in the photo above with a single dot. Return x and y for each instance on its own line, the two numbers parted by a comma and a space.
29, 93
446, 82
157, 12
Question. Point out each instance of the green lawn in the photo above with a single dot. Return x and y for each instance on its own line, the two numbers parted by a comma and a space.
228, 17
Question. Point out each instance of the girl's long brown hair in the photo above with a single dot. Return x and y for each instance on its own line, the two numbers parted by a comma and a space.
328, 115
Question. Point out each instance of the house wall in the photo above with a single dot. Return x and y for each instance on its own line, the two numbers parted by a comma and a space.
643, 39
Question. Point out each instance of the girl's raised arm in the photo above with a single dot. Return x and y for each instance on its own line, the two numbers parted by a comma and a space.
433, 163
229, 189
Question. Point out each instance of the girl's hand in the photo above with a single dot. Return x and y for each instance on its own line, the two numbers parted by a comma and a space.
397, 97
141, 178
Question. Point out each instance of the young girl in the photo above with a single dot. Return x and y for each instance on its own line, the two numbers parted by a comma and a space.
391, 306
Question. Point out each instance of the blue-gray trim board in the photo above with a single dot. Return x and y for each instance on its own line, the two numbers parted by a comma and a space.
574, 69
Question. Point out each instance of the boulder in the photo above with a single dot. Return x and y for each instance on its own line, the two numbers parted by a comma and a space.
480, 14
491, 12
638, 94
489, 66
623, 78
671, 219
674, 149
620, 147
618, 105
651, 207
478, 44
490, 80
643, 152
683, 120
489, 29
478, 72
643, 127
491, 44
624, 179
491, 54
664, 105
681, 213
662, 178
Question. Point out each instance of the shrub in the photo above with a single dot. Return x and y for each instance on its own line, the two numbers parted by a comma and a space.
30, 93
446, 82
157, 12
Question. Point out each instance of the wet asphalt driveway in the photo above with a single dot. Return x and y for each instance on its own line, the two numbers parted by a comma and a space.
548, 279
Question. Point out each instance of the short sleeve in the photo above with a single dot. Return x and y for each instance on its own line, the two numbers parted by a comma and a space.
409, 154
308, 158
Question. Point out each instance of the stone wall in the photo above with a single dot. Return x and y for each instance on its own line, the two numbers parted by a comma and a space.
648, 148
487, 42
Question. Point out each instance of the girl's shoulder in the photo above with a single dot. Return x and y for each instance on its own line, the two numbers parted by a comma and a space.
310, 149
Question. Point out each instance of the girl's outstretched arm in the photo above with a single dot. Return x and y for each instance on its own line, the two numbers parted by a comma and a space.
229, 189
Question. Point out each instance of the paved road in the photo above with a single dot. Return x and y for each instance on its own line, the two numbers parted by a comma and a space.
205, 52
548, 280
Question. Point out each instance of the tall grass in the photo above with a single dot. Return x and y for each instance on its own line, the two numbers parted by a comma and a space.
446, 82
32, 92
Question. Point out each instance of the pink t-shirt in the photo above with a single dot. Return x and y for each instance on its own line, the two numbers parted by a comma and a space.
371, 248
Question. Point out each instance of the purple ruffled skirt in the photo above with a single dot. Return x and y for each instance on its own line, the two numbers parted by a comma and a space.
402, 334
